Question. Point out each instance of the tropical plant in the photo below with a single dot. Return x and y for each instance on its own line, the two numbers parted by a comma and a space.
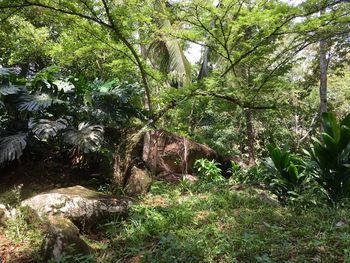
87, 138
166, 53
49, 107
12, 146
286, 173
330, 157
44, 129
208, 170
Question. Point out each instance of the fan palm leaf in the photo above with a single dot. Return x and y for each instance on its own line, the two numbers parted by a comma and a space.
10, 89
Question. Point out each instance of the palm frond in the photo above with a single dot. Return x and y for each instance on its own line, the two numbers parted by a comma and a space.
169, 52
37, 102
158, 54
7, 71
179, 66
87, 138
12, 146
44, 129
10, 89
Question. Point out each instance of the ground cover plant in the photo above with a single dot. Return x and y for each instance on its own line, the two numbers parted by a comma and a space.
217, 223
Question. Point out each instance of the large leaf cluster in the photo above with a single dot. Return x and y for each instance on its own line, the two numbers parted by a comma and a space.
60, 112
286, 173
330, 158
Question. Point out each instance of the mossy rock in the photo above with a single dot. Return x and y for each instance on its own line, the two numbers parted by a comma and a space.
82, 206
139, 182
63, 239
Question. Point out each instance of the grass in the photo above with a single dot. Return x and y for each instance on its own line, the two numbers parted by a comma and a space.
205, 222
20, 241
216, 223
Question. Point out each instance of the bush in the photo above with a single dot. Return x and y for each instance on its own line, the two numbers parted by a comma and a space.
62, 113
286, 173
330, 158
252, 175
208, 170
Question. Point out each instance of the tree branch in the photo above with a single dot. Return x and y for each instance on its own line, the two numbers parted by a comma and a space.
235, 101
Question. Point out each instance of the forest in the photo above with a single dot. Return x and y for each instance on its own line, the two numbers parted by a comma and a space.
174, 131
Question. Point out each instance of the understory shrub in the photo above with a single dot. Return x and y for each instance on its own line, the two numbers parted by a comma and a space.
330, 158
286, 176
64, 114
208, 171
325, 172
252, 175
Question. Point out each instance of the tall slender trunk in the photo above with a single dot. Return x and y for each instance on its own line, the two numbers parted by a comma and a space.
204, 71
250, 135
146, 101
323, 74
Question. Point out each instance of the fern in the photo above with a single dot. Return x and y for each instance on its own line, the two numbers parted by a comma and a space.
87, 138
12, 146
37, 102
44, 129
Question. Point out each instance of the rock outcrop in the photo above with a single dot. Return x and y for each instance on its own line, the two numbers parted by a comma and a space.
168, 153
83, 206
63, 239
5, 214
66, 210
139, 182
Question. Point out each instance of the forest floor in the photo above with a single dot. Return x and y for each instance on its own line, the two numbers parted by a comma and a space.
204, 222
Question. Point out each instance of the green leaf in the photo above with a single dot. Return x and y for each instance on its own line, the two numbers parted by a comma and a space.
44, 129
87, 138
12, 146
37, 102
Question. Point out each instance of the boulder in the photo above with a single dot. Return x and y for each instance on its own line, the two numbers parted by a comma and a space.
139, 181
62, 240
64, 211
4, 214
82, 206
190, 178
176, 178
165, 152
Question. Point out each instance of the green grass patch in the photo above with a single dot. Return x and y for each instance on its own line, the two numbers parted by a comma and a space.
21, 238
215, 223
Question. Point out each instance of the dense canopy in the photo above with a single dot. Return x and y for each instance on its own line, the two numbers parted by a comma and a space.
224, 94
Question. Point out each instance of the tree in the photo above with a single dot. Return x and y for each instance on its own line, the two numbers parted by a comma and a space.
107, 16
330, 27
249, 56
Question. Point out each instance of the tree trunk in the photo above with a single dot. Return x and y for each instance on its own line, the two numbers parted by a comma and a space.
323, 74
250, 135
204, 71
146, 101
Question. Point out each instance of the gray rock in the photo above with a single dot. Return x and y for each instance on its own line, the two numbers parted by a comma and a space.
63, 239
82, 206
192, 179
139, 181
66, 209
4, 214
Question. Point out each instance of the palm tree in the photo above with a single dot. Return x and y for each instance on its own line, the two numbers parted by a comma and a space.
167, 54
